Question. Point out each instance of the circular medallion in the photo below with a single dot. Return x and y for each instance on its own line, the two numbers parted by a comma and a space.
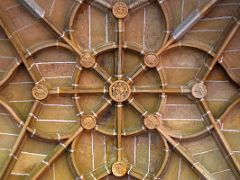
199, 90
119, 91
88, 122
119, 169
152, 121
151, 60
87, 61
120, 10
40, 92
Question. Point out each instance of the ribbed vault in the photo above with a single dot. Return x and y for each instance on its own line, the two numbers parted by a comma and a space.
105, 89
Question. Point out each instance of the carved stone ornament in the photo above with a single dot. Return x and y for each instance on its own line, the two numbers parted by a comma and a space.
119, 169
151, 60
40, 92
120, 10
88, 122
87, 61
152, 121
199, 90
119, 91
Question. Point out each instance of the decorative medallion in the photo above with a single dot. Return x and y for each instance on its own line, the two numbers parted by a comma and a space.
87, 61
151, 60
152, 121
199, 90
119, 169
120, 10
120, 91
88, 122
40, 92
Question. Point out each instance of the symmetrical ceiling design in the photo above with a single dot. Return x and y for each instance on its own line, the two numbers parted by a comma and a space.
125, 89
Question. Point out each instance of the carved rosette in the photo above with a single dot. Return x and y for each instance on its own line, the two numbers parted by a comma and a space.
151, 60
120, 10
199, 90
88, 122
40, 92
120, 91
87, 61
119, 169
152, 121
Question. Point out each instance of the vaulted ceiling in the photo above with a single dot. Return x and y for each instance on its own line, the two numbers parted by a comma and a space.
120, 89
